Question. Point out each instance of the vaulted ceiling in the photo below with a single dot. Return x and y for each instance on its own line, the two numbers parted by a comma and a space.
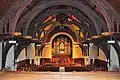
115, 4
5, 4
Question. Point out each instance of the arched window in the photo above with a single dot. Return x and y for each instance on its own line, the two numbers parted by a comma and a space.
119, 28
3, 30
115, 26
7, 26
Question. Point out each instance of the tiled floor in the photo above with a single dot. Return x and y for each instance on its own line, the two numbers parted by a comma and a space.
60, 76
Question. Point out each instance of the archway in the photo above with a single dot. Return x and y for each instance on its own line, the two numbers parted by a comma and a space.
62, 50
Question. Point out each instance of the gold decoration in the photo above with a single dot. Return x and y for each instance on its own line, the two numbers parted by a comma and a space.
16, 33
107, 33
28, 37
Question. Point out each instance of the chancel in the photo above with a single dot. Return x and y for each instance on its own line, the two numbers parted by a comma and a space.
61, 38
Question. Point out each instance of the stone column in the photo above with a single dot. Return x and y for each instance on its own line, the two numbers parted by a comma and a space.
30, 52
114, 61
10, 61
93, 53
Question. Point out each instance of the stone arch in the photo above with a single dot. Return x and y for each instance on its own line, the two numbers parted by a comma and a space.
78, 6
60, 33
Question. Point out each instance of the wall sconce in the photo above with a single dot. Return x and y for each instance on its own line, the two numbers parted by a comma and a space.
111, 41
91, 44
12, 42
